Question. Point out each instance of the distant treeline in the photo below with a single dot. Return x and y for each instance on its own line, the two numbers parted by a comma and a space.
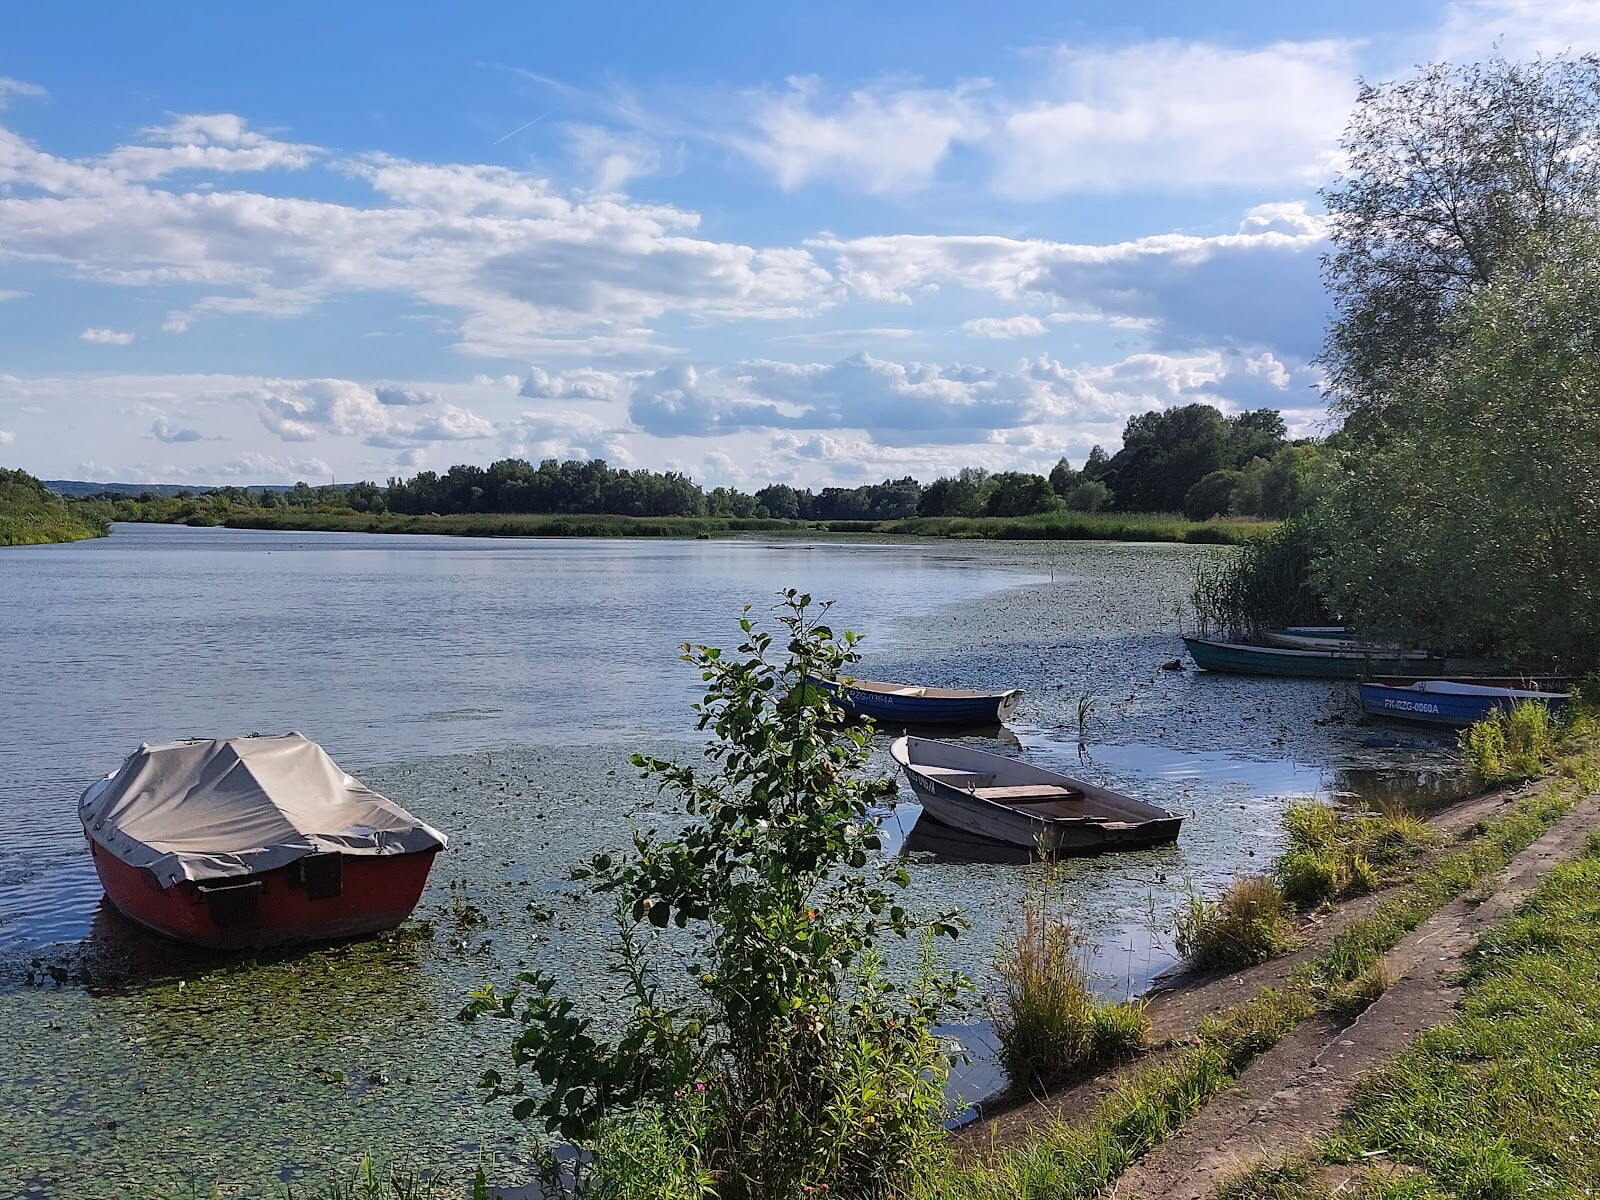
1192, 459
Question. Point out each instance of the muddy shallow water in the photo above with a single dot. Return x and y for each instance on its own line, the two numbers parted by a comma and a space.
496, 689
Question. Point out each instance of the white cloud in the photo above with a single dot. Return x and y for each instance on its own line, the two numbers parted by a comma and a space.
566, 434
525, 268
1004, 327
580, 384
204, 142
1519, 28
907, 404
106, 337
1172, 115
164, 430
613, 158
10, 294
879, 138
6, 438
397, 395
18, 87
1257, 287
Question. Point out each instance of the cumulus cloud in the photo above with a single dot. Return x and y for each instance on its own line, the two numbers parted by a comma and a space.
879, 138
1004, 327
204, 142
581, 384
904, 404
6, 437
1171, 114
523, 266
1258, 286
164, 430
399, 396
106, 337
566, 434
304, 410
10, 294
1163, 114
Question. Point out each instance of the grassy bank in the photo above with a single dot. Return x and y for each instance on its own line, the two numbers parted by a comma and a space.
1502, 1100
1119, 527
32, 515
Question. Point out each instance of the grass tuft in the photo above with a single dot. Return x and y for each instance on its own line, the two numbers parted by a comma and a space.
1333, 854
1249, 923
1046, 1017
1509, 746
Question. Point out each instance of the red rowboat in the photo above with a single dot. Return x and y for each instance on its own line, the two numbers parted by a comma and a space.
253, 841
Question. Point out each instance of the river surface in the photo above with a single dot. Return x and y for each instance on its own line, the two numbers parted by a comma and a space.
496, 688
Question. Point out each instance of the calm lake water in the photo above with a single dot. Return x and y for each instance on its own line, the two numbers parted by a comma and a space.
496, 689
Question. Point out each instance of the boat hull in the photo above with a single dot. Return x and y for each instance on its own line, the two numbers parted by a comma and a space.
1233, 658
286, 905
953, 808
1449, 709
887, 709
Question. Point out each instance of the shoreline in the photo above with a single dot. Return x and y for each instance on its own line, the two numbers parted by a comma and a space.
1110, 527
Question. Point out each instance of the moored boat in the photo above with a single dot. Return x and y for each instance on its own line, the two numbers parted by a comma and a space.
1336, 662
1449, 702
240, 842
1007, 800
911, 704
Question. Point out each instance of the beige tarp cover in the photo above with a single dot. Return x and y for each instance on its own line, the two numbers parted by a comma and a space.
234, 806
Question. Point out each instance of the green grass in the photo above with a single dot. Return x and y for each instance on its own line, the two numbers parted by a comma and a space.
1249, 923
1503, 1101
1334, 854
1046, 1018
1515, 745
1128, 527
32, 515
1075, 526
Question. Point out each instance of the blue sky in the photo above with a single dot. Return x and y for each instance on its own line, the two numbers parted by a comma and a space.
752, 242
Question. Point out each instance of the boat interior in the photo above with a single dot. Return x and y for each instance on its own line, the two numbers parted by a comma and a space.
930, 693
1040, 799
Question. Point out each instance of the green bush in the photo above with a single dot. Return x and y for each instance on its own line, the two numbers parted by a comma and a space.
791, 1063
1249, 923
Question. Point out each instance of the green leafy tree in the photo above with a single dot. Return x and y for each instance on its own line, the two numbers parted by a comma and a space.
1474, 525
794, 1065
1018, 494
1446, 174
1211, 496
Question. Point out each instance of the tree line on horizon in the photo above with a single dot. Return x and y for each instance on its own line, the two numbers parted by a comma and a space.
1192, 459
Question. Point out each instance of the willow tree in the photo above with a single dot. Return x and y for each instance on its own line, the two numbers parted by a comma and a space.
1449, 178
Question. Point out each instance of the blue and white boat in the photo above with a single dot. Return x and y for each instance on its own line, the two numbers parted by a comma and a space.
1448, 702
910, 704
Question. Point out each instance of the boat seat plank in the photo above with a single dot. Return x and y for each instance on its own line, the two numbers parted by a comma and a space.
1028, 793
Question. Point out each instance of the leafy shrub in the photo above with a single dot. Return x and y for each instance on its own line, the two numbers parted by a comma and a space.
791, 1064
1249, 923
1046, 1017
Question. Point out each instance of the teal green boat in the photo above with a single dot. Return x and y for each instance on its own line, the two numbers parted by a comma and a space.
1237, 658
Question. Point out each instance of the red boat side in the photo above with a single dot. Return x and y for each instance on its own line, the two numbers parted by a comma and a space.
318, 898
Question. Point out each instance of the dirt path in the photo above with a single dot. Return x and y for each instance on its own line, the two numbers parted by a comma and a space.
1177, 1008
1296, 1091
